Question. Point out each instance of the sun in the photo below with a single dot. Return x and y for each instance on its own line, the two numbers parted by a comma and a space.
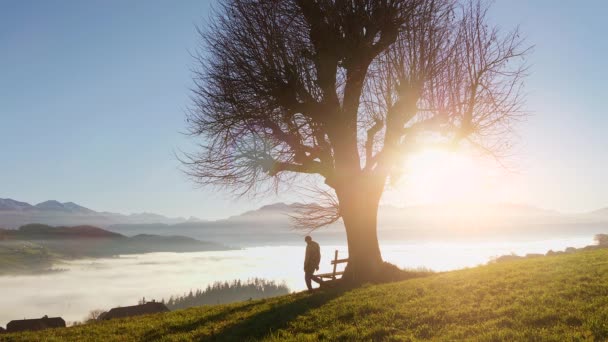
441, 176
436, 176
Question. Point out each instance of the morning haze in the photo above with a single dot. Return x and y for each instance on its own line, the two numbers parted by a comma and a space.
432, 165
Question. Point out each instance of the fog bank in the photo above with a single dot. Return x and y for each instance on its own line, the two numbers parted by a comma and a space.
105, 283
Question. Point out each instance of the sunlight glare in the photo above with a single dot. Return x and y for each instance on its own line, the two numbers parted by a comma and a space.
436, 176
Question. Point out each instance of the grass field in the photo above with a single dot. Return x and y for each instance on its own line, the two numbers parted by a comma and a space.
20, 257
553, 298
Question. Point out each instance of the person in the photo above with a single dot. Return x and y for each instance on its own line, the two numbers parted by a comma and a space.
311, 262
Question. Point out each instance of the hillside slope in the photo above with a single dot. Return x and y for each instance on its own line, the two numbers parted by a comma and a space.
25, 258
35, 248
554, 298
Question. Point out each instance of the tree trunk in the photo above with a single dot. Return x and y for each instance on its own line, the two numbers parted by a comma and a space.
359, 210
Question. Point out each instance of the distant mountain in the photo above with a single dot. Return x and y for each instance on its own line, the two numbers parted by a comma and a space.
73, 207
89, 241
68, 207
271, 225
268, 225
9, 204
151, 217
50, 205
14, 214
277, 212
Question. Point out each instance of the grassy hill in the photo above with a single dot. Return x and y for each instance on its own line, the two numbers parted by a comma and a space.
552, 298
36, 248
19, 257
27, 249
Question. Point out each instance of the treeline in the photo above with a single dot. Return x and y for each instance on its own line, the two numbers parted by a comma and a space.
228, 292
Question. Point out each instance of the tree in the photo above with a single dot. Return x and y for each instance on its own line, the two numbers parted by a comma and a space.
601, 239
93, 315
343, 91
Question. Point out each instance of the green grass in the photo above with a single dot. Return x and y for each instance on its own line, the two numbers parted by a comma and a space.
554, 298
20, 257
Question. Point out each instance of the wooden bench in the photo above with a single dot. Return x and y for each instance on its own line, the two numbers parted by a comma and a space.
335, 262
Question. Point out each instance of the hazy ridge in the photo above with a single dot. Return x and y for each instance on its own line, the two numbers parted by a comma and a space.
271, 224
14, 214
37, 248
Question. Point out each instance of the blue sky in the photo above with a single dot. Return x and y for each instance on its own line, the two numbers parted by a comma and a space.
93, 93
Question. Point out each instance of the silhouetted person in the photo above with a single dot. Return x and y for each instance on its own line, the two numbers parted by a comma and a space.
311, 262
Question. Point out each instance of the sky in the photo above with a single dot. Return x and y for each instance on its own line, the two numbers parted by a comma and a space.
93, 97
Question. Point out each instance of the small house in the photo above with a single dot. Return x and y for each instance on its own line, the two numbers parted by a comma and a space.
35, 324
135, 310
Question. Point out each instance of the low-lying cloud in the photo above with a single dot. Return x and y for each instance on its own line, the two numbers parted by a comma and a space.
89, 284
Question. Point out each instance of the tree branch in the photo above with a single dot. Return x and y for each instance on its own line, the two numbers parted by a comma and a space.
369, 144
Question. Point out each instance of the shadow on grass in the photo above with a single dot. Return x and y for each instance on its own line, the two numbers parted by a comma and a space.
277, 317
254, 327
244, 326
154, 335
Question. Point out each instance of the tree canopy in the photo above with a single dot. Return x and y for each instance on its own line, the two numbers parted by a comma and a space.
344, 90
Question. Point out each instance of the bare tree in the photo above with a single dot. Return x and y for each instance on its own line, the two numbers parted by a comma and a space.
344, 90
93, 315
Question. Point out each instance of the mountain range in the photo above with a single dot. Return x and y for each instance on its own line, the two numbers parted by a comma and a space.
271, 224
15, 213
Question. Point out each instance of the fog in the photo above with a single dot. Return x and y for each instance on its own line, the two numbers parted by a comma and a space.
89, 284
